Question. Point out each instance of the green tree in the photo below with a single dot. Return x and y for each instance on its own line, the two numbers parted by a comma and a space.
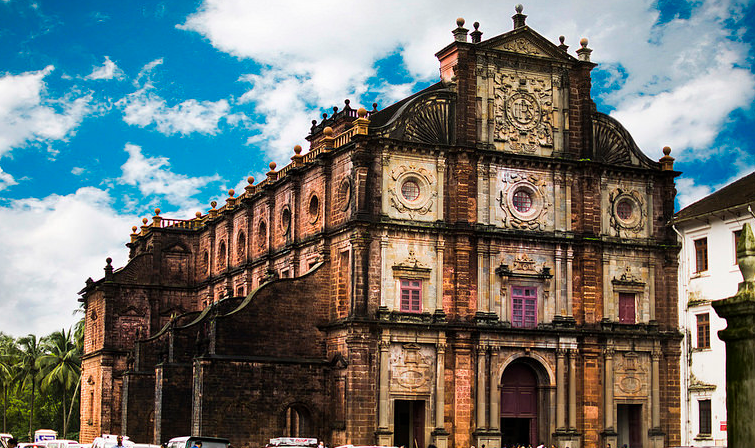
8, 354
60, 369
27, 371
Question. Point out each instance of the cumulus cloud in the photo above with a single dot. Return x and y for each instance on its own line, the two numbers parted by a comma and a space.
58, 241
153, 177
6, 180
657, 74
145, 108
108, 70
29, 116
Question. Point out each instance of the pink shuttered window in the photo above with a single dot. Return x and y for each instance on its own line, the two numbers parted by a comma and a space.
626, 308
524, 307
411, 296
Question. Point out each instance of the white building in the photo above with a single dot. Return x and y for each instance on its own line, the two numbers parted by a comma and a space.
708, 271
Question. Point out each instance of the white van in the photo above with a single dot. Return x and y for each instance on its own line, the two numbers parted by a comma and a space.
190, 441
62, 443
109, 441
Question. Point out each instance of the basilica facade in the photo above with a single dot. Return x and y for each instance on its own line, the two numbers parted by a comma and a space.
486, 262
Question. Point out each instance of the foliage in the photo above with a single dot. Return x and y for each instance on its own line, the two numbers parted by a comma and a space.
40, 382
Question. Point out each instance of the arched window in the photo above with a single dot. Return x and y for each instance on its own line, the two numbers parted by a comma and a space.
206, 262
222, 254
241, 246
262, 235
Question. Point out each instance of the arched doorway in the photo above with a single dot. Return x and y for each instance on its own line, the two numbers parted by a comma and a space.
519, 401
298, 421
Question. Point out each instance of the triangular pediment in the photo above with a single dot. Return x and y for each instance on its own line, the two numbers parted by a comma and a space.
527, 42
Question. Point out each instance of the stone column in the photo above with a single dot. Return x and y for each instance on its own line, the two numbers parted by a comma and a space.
739, 337
480, 407
560, 389
495, 396
656, 392
481, 287
383, 433
384, 269
440, 386
558, 281
569, 277
439, 248
608, 388
572, 389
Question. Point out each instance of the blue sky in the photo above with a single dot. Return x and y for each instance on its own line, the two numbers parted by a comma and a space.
110, 109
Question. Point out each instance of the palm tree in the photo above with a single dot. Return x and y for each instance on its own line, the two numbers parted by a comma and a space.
8, 353
60, 365
28, 371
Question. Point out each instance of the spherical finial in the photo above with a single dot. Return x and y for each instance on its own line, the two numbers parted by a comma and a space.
460, 22
297, 149
583, 42
328, 131
108, 260
133, 229
324, 116
347, 101
561, 39
476, 25
231, 192
314, 122
519, 8
144, 221
198, 214
213, 204
666, 150
272, 166
250, 179
362, 112
157, 212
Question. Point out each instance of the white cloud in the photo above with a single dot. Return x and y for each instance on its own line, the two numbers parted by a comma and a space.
57, 241
144, 108
108, 70
319, 53
153, 177
689, 192
146, 71
29, 116
77, 171
6, 180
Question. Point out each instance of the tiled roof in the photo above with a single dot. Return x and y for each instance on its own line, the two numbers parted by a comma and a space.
738, 193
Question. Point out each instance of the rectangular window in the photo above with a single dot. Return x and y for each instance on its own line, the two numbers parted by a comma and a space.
524, 307
626, 308
704, 416
737, 234
701, 255
411, 296
703, 330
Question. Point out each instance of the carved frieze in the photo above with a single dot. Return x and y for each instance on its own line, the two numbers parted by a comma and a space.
523, 111
524, 46
631, 375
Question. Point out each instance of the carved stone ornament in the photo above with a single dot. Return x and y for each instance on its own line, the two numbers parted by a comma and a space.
523, 111
424, 182
631, 376
523, 46
535, 217
627, 211
522, 262
411, 267
412, 371
628, 277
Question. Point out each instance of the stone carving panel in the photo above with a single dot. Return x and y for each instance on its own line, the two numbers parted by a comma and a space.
523, 111
412, 190
524, 200
631, 375
412, 368
628, 214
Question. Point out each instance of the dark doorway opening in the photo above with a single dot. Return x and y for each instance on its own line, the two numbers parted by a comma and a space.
409, 423
629, 418
519, 405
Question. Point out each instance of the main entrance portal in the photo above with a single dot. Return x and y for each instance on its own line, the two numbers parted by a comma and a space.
519, 405
409, 423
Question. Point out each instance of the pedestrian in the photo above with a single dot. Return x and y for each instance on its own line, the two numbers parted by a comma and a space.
119, 442
12, 442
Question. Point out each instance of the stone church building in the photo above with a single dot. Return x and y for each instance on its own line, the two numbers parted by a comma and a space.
485, 262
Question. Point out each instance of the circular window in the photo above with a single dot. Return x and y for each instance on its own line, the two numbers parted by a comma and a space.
286, 220
410, 190
522, 200
314, 208
624, 209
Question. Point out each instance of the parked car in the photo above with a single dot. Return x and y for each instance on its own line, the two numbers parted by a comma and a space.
207, 442
145, 445
109, 441
62, 443
4, 437
292, 442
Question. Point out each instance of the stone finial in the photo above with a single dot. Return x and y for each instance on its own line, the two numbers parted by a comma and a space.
134, 229
198, 214
230, 200
231, 192
362, 123
746, 254
213, 212
213, 204
374, 108
519, 18
583, 54
562, 45
328, 140
327, 131
272, 166
346, 103
476, 34
667, 162
134, 235
157, 212
297, 159
144, 221
108, 269
156, 220
460, 33
272, 175
361, 112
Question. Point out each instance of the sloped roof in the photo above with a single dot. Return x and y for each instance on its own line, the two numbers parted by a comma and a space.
737, 194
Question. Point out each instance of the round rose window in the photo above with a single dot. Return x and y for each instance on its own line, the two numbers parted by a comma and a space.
522, 200
410, 190
624, 209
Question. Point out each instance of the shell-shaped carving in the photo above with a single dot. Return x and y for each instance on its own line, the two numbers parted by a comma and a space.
427, 118
613, 144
